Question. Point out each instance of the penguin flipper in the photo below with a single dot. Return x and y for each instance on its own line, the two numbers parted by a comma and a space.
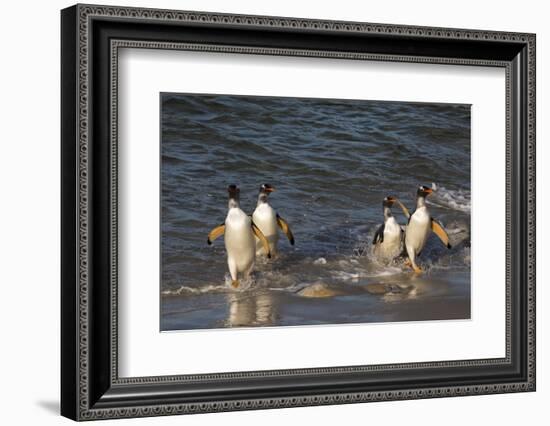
379, 235
440, 232
218, 231
405, 209
262, 238
285, 228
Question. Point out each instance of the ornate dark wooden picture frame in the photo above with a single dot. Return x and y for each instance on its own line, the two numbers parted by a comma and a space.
90, 384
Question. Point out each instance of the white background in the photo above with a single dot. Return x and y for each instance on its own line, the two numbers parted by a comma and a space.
142, 346
29, 217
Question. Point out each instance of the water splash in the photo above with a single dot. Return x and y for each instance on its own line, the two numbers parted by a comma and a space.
457, 199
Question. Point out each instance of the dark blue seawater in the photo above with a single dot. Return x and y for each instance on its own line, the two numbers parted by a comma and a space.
332, 162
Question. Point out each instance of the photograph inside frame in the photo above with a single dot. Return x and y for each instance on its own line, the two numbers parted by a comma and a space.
283, 211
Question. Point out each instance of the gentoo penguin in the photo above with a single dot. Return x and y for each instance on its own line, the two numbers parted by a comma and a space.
388, 240
267, 219
419, 227
239, 231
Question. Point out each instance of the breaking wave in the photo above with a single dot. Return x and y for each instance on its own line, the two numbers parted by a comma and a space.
458, 199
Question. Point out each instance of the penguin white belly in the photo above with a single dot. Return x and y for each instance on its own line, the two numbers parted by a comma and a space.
418, 230
391, 246
239, 242
265, 218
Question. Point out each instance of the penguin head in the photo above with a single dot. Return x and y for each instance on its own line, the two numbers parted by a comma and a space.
388, 201
233, 191
423, 191
266, 188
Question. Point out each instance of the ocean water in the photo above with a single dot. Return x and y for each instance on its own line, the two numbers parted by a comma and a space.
331, 162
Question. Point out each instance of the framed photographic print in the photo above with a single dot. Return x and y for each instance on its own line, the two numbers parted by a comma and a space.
263, 212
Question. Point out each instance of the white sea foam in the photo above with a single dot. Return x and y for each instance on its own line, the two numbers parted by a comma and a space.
453, 199
358, 274
244, 284
211, 288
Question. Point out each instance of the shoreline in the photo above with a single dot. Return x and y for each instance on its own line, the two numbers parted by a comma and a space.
443, 295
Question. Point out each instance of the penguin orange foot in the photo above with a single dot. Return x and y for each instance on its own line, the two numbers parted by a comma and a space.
414, 267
